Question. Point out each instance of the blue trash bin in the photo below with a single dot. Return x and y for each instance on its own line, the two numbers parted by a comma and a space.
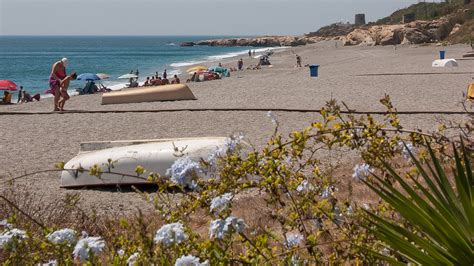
313, 70
442, 54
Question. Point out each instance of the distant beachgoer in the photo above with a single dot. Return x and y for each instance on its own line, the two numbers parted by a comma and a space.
63, 90
220, 64
298, 61
156, 75
19, 94
240, 64
147, 82
165, 75
250, 53
175, 80
26, 97
253, 52
57, 79
7, 98
136, 72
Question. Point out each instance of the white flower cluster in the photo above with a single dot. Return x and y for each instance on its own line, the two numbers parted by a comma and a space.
64, 236
10, 235
190, 261
221, 228
293, 240
406, 148
5, 224
233, 142
305, 187
50, 263
338, 216
221, 203
362, 171
171, 234
272, 116
88, 245
133, 259
182, 172
329, 191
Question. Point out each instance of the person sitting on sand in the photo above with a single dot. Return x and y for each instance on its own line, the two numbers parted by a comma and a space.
7, 98
165, 81
26, 97
175, 80
102, 88
156, 82
63, 90
147, 82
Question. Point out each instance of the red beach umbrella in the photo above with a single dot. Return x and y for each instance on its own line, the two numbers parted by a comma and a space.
7, 85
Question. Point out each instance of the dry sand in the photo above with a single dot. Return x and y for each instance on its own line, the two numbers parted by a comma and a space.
35, 142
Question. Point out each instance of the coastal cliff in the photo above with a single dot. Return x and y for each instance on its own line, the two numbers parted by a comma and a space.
265, 41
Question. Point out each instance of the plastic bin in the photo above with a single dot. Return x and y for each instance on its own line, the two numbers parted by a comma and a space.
313, 70
442, 55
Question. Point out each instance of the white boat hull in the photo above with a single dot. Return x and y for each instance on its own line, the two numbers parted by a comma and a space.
155, 156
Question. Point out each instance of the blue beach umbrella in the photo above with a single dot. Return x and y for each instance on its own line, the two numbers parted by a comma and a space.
88, 77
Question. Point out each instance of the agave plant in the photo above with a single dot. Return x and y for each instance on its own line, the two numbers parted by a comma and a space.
440, 213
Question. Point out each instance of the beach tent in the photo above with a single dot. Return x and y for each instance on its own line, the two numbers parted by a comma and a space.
173, 92
224, 71
445, 63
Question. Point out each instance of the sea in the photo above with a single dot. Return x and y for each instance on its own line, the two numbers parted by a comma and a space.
27, 60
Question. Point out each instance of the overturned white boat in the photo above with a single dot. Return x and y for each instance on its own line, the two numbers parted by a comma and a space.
118, 160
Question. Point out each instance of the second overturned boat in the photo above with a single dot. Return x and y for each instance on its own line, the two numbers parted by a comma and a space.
118, 160
173, 92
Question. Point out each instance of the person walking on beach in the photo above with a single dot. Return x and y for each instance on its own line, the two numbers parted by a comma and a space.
240, 64
57, 80
165, 75
250, 53
298, 61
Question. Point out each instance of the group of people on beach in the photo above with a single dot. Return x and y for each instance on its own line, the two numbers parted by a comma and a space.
156, 80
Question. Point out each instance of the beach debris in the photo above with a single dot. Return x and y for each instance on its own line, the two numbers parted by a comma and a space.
190, 260
445, 63
222, 228
171, 234
63, 236
88, 245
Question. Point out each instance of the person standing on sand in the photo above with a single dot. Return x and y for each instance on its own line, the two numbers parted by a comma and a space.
20, 94
240, 64
298, 61
165, 75
250, 53
57, 80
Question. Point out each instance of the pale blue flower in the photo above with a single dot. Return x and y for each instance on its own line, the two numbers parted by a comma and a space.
221, 203
63, 236
362, 171
305, 187
10, 235
406, 148
182, 172
133, 259
171, 234
190, 260
85, 246
293, 240
222, 228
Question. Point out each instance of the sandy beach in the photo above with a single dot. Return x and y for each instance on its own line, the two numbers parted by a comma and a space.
37, 141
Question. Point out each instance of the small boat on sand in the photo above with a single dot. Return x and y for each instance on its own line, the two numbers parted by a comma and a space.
172, 92
118, 160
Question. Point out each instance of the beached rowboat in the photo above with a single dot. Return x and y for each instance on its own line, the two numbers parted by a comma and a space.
118, 160
149, 94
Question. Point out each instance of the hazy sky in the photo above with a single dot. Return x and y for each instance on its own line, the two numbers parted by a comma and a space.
182, 17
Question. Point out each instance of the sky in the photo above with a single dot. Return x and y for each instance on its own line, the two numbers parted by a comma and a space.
183, 17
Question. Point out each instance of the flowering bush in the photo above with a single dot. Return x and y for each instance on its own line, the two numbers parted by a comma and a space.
307, 209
